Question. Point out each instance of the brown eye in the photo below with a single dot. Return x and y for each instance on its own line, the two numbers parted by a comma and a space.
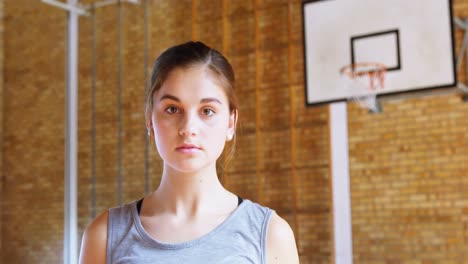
171, 110
208, 111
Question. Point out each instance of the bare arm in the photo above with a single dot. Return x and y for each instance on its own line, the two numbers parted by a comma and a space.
281, 245
94, 243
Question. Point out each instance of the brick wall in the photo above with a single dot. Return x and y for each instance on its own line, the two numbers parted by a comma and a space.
418, 146
408, 181
33, 135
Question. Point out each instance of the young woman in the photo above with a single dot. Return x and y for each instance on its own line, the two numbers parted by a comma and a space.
191, 113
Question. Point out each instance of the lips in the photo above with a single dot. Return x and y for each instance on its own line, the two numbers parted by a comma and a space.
188, 148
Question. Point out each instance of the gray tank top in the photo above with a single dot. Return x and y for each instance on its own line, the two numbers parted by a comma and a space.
241, 238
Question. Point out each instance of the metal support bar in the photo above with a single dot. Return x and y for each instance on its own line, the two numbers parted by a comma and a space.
71, 142
119, 106
70, 249
71, 136
112, 2
463, 24
93, 114
460, 23
83, 10
147, 84
72, 8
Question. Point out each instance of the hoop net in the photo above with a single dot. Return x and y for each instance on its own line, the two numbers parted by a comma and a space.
363, 81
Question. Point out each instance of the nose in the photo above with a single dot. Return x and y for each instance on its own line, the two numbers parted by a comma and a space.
188, 126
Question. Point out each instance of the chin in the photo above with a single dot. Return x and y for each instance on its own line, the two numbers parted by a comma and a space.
190, 166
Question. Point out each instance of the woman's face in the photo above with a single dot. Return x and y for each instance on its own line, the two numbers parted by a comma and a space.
191, 120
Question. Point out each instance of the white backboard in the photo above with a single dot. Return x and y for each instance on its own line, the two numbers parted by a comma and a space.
413, 38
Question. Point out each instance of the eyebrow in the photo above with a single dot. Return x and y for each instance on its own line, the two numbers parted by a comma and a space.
170, 97
204, 100
209, 100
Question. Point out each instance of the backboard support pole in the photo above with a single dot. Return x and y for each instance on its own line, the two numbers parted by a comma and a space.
340, 184
71, 141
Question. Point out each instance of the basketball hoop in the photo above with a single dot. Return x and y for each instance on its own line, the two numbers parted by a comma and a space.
364, 80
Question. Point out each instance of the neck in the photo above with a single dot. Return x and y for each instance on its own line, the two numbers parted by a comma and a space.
189, 193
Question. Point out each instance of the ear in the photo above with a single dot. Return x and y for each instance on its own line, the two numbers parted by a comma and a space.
232, 125
149, 127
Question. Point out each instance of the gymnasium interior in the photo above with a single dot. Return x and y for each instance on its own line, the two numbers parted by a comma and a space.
73, 141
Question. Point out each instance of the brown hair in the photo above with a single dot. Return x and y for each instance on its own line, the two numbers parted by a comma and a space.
190, 54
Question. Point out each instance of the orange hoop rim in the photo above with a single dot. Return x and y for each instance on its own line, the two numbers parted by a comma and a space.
375, 73
348, 69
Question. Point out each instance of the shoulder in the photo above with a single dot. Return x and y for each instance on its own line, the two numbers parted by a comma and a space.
94, 242
281, 244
